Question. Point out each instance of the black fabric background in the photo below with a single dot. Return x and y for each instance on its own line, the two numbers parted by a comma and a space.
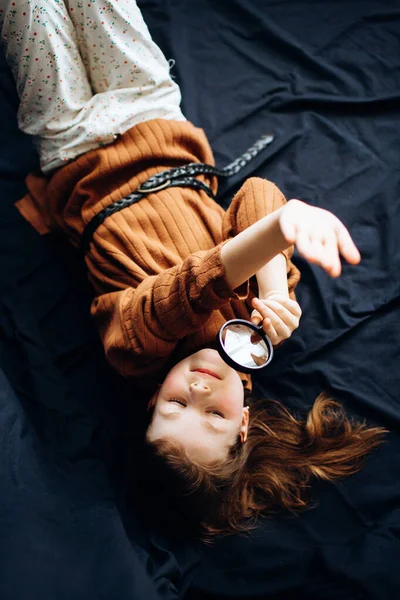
324, 77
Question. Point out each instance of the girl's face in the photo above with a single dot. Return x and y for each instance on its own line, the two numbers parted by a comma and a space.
200, 406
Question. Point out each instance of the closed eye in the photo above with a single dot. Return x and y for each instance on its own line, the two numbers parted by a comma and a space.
177, 401
182, 403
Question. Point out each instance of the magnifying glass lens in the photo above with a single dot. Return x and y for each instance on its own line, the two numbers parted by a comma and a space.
244, 346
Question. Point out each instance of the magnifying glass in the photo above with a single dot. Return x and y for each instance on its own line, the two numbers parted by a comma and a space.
244, 346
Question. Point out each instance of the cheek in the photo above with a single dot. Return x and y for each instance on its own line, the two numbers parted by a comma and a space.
172, 385
232, 400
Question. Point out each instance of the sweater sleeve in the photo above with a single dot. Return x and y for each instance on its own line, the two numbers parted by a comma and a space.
140, 327
142, 324
256, 198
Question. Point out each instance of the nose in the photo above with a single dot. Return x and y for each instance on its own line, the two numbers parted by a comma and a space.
200, 388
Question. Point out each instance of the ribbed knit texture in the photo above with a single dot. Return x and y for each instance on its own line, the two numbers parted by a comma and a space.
161, 292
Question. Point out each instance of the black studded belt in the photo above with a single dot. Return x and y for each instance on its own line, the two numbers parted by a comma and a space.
178, 177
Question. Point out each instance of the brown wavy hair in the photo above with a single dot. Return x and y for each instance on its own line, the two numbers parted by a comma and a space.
272, 470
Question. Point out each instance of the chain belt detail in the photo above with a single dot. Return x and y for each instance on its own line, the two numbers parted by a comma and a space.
178, 177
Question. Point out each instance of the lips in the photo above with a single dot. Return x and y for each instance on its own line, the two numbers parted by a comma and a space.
207, 372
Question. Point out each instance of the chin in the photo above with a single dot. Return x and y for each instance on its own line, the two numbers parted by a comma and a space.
211, 358
210, 354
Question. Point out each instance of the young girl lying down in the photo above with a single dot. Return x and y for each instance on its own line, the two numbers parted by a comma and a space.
169, 269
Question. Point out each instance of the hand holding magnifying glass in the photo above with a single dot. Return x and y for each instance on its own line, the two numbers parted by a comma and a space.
278, 314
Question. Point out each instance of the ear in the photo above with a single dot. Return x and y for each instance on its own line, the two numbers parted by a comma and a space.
244, 428
153, 400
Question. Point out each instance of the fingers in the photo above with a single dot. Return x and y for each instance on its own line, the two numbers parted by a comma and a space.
332, 264
292, 306
347, 247
270, 331
320, 250
280, 319
256, 318
324, 249
288, 310
319, 236
309, 247
274, 335
262, 310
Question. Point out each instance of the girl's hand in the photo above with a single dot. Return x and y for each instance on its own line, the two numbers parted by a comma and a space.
318, 235
279, 314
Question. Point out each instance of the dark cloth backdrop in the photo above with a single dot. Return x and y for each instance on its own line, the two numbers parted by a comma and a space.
324, 78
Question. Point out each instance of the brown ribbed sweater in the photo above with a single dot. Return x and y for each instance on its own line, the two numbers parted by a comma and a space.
160, 288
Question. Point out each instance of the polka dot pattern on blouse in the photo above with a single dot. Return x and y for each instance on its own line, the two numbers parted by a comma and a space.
86, 71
